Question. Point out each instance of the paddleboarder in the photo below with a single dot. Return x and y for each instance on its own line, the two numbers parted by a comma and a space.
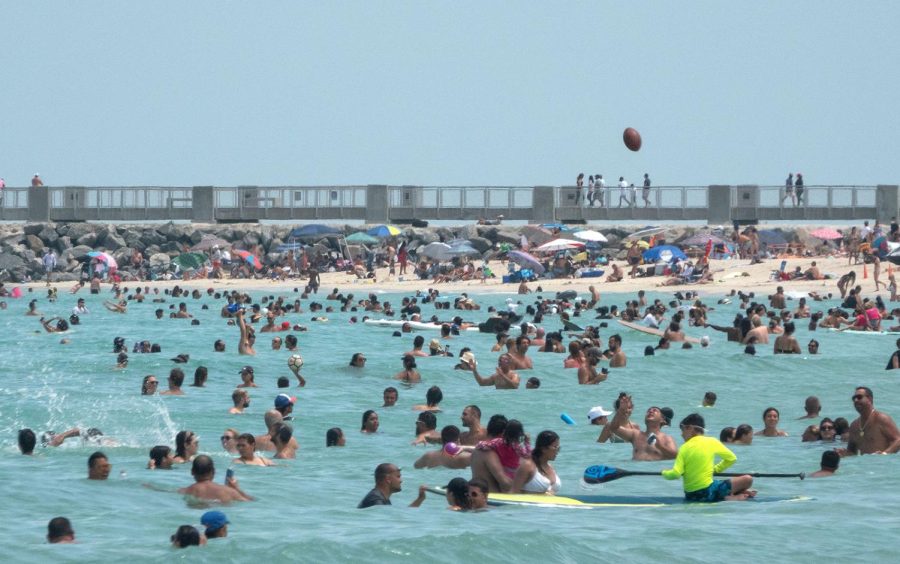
695, 464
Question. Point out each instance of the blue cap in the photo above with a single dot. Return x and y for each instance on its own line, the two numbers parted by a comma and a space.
214, 520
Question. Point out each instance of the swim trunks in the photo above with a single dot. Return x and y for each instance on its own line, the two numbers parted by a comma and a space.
717, 491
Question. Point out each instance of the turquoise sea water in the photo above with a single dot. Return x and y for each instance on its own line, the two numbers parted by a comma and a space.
306, 508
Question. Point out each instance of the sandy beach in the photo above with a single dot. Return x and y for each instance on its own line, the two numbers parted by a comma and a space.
728, 275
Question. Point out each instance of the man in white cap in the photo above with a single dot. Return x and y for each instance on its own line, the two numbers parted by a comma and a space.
599, 416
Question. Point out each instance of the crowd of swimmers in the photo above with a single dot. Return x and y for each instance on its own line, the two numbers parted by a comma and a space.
501, 455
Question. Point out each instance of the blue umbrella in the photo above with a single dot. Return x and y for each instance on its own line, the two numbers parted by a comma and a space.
314, 230
558, 226
666, 253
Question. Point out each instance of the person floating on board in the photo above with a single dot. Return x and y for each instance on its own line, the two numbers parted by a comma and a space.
695, 464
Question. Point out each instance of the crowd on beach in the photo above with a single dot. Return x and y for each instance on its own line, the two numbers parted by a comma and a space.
501, 455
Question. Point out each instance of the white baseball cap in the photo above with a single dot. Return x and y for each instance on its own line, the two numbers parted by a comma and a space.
598, 411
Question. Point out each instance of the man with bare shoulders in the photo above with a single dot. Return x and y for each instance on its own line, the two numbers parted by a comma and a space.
615, 354
418, 343
521, 361
505, 378
651, 444
486, 464
451, 455
245, 344
587, 372
264, 442
777, 300
471, 419
246, 447
873, 432
203, 470
812, 407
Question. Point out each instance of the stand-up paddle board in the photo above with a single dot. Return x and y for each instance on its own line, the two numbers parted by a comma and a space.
598, 501
652, 331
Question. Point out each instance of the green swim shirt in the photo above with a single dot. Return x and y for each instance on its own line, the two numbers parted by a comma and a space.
695, 462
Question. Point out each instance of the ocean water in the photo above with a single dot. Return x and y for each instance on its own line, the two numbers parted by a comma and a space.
306, 508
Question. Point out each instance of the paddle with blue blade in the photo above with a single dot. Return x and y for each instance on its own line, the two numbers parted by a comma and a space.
600, 474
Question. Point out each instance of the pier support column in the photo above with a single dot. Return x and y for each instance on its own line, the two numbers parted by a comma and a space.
543, 205
887, 202
377, 204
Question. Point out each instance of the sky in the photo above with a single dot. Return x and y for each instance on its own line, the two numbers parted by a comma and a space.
439, 93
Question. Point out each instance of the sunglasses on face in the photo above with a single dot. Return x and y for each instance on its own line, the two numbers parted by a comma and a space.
226, 438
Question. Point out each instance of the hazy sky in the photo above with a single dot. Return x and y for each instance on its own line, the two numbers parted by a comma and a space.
447, 93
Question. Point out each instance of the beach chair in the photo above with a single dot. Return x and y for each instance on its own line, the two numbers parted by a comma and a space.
779, 274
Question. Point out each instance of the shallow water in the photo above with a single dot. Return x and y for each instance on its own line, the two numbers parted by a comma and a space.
306, 508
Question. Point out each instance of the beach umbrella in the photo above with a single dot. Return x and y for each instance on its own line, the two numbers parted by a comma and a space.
209, 241
104, 258
701, 239
189, 261
436, 250
314, 230
826, 233
383, 231
591, 235
526, 260
560, 245
647, 232
362, 238
771, 237
665, 253
249, 258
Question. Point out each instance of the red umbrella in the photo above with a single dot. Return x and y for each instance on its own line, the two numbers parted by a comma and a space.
826, 233
251, 259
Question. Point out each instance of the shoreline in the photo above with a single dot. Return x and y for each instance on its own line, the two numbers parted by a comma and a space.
728, 275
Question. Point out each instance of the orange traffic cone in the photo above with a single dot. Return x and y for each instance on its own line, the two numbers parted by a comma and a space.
865, 271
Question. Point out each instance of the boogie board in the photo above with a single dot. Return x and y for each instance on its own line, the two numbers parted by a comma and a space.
414, 325
598, 501
852, 332
652, 331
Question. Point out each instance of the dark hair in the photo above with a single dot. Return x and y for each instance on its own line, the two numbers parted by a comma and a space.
383, 470
185, 536
249, 437
355, 358
200, 376
514, 433
283, 432
158, 454
695, 420
433, 396
95, 457
742, 431
534, 381
726, 435
768, 409
219, 344
155, 348
668, 414
830, 460
428, 418
59, 527
450, 434
458, 488
283, 382
181, 440
475, 408
332, 436
867, 391
365, 417
841, 425
496, 425
391, 389
418, 341
291, 341
543, 441
648, 350
176, 375
789, 327
27, 440
409, 361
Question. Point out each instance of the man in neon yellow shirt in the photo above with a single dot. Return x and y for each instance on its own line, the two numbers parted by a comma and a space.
695, 463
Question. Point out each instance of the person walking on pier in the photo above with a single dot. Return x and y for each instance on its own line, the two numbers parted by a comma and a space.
789, 190
645, 191
623, 195
798, 188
